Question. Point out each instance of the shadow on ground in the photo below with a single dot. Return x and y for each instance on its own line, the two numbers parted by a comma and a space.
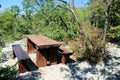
109, 70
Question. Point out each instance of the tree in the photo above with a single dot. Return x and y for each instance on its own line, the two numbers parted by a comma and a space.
9, 24
97, 13
114, 13
108, 3
72, 5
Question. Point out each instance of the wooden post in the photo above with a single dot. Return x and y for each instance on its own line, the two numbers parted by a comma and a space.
41, 61
53, 55
30, 47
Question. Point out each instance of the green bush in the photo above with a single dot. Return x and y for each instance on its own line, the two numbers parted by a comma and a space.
8, 72
114, 34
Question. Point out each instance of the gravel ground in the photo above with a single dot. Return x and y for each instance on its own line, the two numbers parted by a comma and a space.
76, 71
79, 70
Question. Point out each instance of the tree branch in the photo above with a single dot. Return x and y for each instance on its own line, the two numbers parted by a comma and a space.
63, 1
81, 29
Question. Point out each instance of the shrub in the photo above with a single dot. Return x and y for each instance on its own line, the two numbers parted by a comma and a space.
114, 34
85, 50
8, 72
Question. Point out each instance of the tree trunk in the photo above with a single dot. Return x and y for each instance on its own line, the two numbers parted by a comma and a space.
108, 3
72, 5
105, 25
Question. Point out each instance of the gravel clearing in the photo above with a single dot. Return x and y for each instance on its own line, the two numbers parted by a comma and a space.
79, 70
76, 71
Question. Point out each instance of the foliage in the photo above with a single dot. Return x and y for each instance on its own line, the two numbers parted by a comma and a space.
9, 25
97, 8
53, 22
48, 18
84, 49
114, 12
114, 34
8, 72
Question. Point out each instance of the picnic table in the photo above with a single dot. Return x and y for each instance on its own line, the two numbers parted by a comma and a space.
46, 49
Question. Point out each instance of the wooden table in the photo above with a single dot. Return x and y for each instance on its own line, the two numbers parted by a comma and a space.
45, 49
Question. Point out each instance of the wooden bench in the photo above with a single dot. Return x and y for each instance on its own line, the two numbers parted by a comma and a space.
24, 61
65, 54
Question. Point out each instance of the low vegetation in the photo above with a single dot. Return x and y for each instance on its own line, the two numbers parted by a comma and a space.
8, 72
114, 34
